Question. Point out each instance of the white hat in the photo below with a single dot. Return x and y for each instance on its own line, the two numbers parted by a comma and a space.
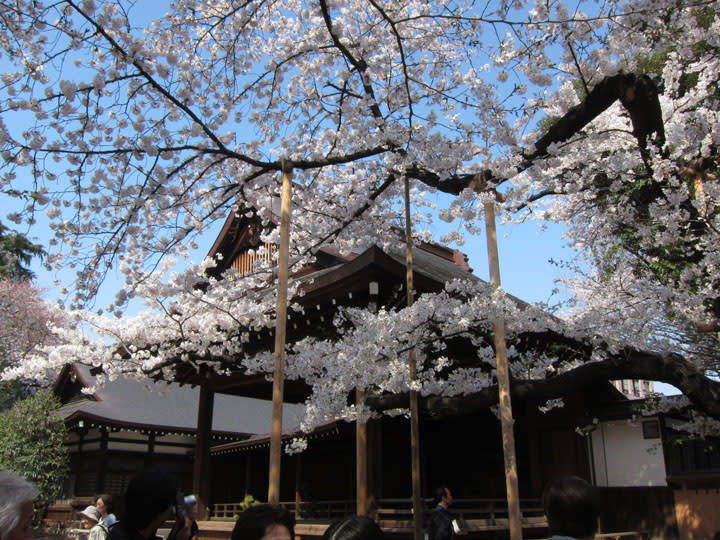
91, 513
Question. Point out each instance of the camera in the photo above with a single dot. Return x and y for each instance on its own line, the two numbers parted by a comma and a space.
183, 503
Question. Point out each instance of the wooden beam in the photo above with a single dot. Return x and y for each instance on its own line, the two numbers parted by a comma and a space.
280, 330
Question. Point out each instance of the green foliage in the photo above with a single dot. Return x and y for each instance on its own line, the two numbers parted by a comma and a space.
15, 254
546, 122
32, 438
10, 392
248, 501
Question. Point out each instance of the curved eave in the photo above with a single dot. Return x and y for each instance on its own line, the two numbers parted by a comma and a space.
328, 430
95, 420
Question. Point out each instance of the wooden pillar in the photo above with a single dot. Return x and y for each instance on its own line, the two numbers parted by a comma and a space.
414, 409
361, 428
375, 464
361, 460
150, 454
280, 329
201, 466
102, 461
536, 475
298, 485
503, 375
248, 472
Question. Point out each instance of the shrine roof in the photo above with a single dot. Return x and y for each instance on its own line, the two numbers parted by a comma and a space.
160, 406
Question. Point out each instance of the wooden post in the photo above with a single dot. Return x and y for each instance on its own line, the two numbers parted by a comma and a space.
414, 409
102, 462
361, 428
280, 328
536, 473
361, 459
506, 419
298, 484
201, 466
248, 473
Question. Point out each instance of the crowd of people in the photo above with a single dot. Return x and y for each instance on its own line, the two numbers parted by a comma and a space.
152, 498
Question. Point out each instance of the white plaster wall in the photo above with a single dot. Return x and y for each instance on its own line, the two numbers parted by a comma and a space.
622, 457
140, 446
179, 450
91, 446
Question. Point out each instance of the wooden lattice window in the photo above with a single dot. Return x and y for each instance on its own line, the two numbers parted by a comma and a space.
244, 263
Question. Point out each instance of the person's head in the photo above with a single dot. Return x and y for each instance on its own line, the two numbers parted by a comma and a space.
90, 517
354, 528
264, 522
571, 507
149, 498
104, 504
16, 507
443, 496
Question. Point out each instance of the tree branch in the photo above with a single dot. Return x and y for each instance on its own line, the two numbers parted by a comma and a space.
673, 369
638, 95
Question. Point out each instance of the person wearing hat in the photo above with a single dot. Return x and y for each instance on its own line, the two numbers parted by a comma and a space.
91, 520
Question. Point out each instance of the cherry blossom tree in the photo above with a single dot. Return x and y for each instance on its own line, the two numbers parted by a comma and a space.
24, 316
135, 135
26, 324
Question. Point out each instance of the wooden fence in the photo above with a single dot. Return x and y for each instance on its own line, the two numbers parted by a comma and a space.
396, 515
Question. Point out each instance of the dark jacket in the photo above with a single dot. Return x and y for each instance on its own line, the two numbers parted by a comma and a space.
439, 525
120, 532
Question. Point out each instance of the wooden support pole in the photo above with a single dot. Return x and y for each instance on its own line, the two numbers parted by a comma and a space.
361, 429
248, 474
280, 329
201, 465
414, 408
298, 485
102, 462
506, 418
361, 459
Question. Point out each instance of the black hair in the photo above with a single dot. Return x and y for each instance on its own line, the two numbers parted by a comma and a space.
571, 507
354, 528
439, 493
149, 493
107, 499
253, 522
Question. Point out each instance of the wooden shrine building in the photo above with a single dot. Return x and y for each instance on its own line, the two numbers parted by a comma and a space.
461, 448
